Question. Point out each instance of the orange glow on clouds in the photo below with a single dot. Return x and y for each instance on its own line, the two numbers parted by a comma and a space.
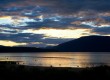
10, 43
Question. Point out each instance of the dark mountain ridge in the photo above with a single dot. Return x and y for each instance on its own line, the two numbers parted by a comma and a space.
86, 44
24, 49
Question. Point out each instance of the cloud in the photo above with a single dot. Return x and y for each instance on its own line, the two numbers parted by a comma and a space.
23, 38
71, 6
58, 33
55, 40
10, 43
61, 6
102, 31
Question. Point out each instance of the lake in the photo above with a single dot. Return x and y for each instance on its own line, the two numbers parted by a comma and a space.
59, 59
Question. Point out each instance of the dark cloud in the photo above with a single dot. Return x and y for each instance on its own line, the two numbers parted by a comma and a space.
25, 38
102, 31
8, 1
61, 6
71, 6
63, 23
54, 41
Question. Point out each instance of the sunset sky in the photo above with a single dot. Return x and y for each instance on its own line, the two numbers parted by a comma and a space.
41, 23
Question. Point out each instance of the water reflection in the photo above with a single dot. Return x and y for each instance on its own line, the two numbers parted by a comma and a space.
58, 59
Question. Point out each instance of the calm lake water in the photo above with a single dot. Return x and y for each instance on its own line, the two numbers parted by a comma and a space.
59, 59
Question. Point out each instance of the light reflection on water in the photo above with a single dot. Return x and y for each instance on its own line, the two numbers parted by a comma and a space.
58, 59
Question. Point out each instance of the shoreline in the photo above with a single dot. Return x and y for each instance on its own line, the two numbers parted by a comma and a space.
21, 72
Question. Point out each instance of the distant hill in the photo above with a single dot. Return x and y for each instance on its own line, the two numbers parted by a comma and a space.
23, 49
86, 44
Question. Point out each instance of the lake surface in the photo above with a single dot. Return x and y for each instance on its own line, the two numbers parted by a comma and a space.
59, 59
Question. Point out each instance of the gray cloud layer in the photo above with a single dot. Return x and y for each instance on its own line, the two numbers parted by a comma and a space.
67, 6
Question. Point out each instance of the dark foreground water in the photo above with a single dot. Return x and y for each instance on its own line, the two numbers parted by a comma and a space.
59, 59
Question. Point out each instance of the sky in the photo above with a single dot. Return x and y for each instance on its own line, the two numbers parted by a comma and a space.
42, 23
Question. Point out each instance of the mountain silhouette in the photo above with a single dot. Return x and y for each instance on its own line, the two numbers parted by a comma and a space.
24, 49
86, 44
